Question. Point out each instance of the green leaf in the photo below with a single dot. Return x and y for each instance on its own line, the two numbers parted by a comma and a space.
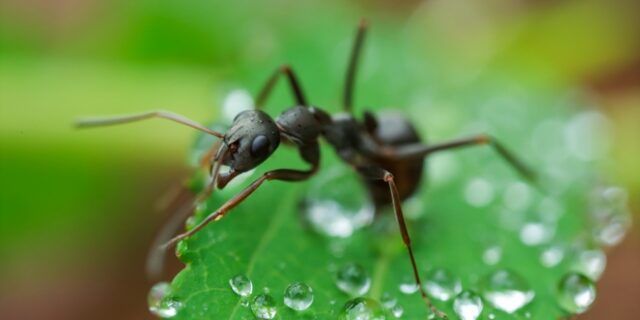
472, 216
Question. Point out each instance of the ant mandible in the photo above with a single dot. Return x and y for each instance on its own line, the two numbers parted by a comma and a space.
386, 151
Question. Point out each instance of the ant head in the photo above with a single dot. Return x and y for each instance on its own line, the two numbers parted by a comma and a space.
252, 138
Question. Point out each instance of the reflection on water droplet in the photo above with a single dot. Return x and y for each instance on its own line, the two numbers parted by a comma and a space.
235, 102
160, 303
298, 296
479, 192
241, 285
264, 306
467, 305
362, 309
492, 255
491, 316
397, 311
535, 233
591, 263
576, 293
353, 279
334, 212
551, 256
506, 290
442, 285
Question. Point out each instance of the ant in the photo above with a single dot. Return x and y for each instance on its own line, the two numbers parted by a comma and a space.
385, 150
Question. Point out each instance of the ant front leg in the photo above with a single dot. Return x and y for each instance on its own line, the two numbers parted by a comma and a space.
280, 174
293, 82
376, 173
420, 150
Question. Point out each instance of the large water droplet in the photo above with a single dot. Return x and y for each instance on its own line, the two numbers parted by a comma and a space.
160, 303
241, 285
591, 263
298, 296
334, 212
353, 279
264, 306
478, 192
576, 293
467, 305
388, 301
506, 290
442, 285
362, 309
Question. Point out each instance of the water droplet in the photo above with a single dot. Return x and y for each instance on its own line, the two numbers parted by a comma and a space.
611, 215
408, 286
576, 293
235, 102
492, 255
353, 279
535, 233
591, 263
264, 306
478, 192
388, 301
442, 285
298, 296
397, 311
241, 285
552, 256
160, 303
467, 305
332, 211
362, 309
506, 290
491, 316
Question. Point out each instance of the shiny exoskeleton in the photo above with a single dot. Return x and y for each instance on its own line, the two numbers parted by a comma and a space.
384, 149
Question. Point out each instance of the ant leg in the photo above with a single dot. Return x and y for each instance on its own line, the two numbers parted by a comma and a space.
376, 173
293, 82
280, 174
421, 150
156, 255
107, 121
353, 63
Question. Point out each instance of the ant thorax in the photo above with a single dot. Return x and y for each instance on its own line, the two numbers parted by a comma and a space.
299, 125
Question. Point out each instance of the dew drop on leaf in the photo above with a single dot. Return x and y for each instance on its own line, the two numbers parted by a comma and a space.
298, 296
241, 285
160, 303
506, 290
467, 305
576, 293
362, 309
591, 263
388, 301
442, 285
264, 306
353, 280
333, 212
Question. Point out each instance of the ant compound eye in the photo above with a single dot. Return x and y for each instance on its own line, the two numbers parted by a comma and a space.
260, 146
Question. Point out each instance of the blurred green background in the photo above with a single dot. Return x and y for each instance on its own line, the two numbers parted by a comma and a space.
78, 207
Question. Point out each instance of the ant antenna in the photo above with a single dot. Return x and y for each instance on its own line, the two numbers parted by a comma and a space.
108, 121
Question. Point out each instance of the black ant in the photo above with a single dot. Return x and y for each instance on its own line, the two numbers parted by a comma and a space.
386, 151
